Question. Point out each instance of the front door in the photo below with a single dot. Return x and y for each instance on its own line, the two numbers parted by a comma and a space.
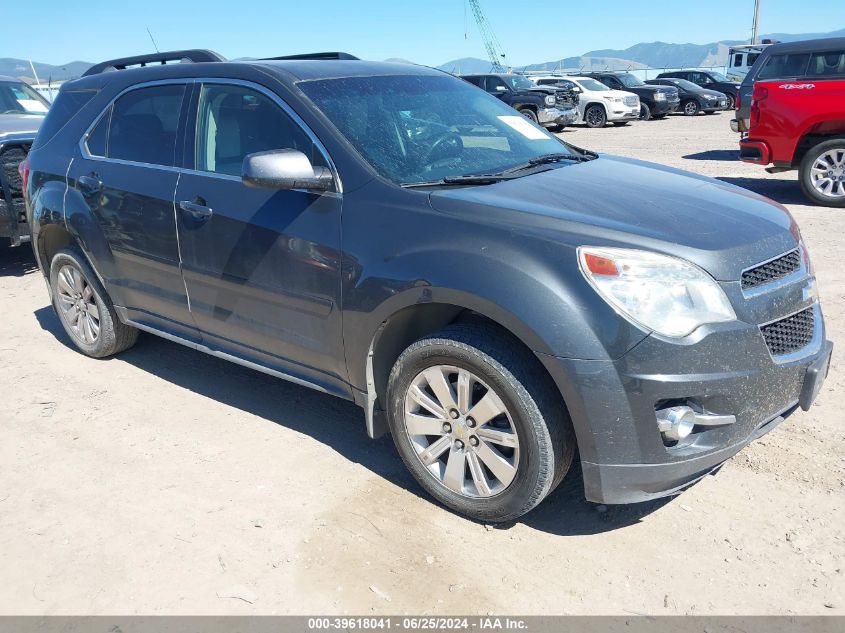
261, 266
126, 174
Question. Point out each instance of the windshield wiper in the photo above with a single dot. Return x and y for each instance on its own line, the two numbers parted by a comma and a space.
548, 159
470, 179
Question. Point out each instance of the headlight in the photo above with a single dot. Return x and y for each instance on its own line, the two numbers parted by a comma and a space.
660, 96
550, 100
711, 97
665, 294
614, 99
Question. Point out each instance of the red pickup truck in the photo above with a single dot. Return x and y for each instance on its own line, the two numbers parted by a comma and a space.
800, 124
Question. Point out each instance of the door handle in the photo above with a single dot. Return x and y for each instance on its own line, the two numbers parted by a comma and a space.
90, 185
198, 211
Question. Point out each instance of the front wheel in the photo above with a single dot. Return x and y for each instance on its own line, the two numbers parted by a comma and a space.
731, 104
85, 310
595, 116
474, 420
822, 173
645, 112
530, 115
691, 107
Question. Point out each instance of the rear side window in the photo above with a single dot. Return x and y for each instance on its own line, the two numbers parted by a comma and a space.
827, 64
784, 66
63, 109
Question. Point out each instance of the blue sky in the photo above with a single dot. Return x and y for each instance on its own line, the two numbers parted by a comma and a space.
429, 31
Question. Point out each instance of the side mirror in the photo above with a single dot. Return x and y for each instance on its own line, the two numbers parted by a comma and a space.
500, 89
284, 169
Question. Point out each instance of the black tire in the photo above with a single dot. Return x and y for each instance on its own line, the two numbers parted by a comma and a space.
113, 336
546, 438
731, 105
645, 112
529, 114
595, 116
690, 107
806, 179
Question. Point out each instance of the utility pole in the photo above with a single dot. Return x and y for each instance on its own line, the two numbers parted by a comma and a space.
756, 21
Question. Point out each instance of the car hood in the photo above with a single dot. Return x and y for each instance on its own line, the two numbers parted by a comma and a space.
19, 125
630, 203
620, 93
715, 93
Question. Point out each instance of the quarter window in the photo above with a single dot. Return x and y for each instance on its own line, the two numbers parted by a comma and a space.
235, 121
98, 139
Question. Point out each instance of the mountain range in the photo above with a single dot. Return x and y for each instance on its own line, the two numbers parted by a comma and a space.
643, 55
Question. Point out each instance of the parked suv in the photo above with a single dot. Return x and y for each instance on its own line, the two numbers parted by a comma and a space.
550, 107
22, 110
598, 105
708, 79
800, 124
787, 62
490, 295
655, 101
694, 99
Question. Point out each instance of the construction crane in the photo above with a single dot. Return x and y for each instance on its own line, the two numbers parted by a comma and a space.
494, 49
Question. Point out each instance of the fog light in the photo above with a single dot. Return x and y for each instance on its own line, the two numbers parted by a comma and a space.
676, 423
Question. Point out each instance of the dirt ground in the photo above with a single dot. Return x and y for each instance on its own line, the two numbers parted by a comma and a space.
166, 481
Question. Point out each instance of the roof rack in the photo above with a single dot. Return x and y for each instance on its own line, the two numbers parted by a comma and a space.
195, 56
322, 56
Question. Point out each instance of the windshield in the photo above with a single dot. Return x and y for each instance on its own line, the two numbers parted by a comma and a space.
518, 82
422, 128
592, 85
18, 98
686, 85
717, 76
629, 80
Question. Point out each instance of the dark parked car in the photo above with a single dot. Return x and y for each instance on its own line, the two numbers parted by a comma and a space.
490, 295
798, 61
709, 79
551, 107
22, 110
694, 99
655, 101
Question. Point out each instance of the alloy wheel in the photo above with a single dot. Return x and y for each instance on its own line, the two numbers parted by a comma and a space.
461, 431
690, 109
827, 174
78, 305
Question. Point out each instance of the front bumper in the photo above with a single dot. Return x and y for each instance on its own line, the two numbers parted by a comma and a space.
722, 369
665, 107
617, 112
557, 116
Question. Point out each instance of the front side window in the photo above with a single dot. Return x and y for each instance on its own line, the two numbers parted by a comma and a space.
784, 66
235, 121
592, 85
827, 64
630, 81
518, 82
140, 126
420, 128
18, 98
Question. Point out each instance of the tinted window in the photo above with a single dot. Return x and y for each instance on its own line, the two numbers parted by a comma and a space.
784, 66
738, 60
752, 57
18, 98
144, 123
64, 108
234, 121
827, 64
97, 142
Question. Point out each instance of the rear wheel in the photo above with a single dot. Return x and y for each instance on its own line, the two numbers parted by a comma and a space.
529, 114
690, 108
645, 112
822, 173
85, 310
474, 419
595, 116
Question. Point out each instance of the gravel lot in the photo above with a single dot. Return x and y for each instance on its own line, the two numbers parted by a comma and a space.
169, 482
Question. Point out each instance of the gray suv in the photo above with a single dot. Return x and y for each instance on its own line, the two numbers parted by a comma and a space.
22, 110
497, 300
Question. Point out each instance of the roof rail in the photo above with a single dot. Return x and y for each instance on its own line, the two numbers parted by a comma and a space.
324, 56
196, 55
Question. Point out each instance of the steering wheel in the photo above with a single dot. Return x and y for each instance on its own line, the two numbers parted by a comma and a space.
447, 145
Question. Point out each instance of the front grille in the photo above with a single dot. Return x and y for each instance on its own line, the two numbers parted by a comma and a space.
632, 101
771, 271
790, 334
12, 208
564, 100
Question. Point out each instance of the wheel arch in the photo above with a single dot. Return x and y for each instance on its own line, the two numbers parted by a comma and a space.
815, 133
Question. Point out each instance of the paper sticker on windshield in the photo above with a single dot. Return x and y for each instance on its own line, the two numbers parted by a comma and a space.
521, 125
31, 105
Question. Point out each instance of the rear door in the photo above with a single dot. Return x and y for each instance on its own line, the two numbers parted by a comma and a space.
126, 173
262, 267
